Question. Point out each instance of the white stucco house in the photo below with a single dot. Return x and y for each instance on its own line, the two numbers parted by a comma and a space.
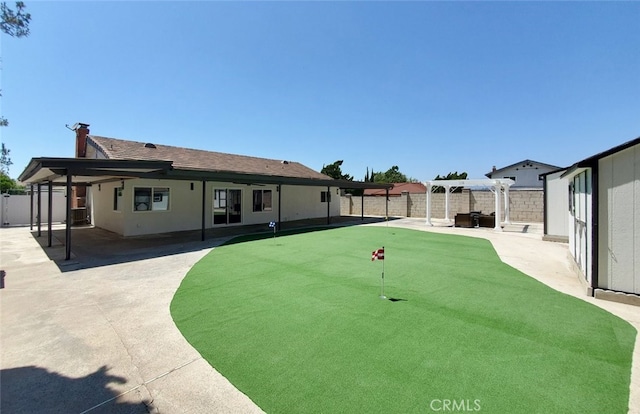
525, 174
136, 188
603, 220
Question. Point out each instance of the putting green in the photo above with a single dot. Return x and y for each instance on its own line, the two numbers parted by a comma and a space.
296, 323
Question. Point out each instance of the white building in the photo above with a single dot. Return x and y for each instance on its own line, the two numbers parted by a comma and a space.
603, 193
525, 174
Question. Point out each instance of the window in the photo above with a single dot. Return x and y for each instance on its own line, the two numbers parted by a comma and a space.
150, 199
117, 199
325, 197
219, 198
262, 200
511, 178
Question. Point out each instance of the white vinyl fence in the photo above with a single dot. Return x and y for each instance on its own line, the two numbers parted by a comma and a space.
15, 209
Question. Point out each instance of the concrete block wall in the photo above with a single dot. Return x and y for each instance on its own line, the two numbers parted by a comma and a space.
524, 205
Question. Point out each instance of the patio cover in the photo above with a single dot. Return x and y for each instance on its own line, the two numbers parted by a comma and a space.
497, 185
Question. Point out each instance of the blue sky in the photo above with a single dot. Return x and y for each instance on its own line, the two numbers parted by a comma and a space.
432, 87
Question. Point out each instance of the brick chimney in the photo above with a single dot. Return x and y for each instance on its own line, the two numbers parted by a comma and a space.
82, 130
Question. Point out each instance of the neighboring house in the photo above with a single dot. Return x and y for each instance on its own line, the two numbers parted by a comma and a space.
603, 193
526, 173
398, 189
136, 188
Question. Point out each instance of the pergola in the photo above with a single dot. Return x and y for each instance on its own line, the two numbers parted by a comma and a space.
497, 186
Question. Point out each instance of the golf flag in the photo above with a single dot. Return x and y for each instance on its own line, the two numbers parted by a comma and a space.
272, 224
377, 254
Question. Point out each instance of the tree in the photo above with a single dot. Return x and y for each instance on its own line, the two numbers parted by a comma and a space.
450, 176
15, 24
5, 160
7, 183
392, 175
334, 171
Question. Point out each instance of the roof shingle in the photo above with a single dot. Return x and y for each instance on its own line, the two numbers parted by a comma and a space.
192, 159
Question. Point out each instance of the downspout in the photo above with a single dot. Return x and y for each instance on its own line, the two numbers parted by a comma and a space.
68, 229
204, 195
50, 213
39, 218
594, 228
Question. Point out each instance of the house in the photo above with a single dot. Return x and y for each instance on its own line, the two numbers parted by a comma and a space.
397, 189
603, 212
137, 188
525, 174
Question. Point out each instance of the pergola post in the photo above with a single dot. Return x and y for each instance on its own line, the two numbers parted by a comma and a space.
428, 207
507, 220
279, 188
497, 226
386, 205
328, 205
362, 206
446, 202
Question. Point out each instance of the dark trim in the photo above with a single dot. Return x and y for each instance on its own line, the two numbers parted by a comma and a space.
595, 211
50, 213
67, 255
102, 167
592, 162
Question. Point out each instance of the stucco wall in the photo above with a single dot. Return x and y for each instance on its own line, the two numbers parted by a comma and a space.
185, 211
619, 221
525, 205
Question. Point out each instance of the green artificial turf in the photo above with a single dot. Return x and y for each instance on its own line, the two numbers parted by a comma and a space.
296, 323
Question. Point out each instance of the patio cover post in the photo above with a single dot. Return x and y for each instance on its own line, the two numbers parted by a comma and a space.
362, 206
497, 188
428, 185
279, 206
507, 220
31, 209
49, 213
328, 205
39, 218
68, 219
204, 195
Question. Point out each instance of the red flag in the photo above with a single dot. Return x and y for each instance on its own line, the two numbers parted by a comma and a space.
377, 254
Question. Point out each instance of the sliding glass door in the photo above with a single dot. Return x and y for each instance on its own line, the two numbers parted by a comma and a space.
227, 206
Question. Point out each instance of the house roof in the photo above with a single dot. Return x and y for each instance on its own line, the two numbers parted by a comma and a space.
553, 167
133, 159
593, 160
193, 159
397, 189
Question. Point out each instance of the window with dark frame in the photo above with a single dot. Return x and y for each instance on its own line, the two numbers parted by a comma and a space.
262, 200
151, 198
325, 197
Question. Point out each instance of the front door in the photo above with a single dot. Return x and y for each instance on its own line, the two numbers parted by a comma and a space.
227, 206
